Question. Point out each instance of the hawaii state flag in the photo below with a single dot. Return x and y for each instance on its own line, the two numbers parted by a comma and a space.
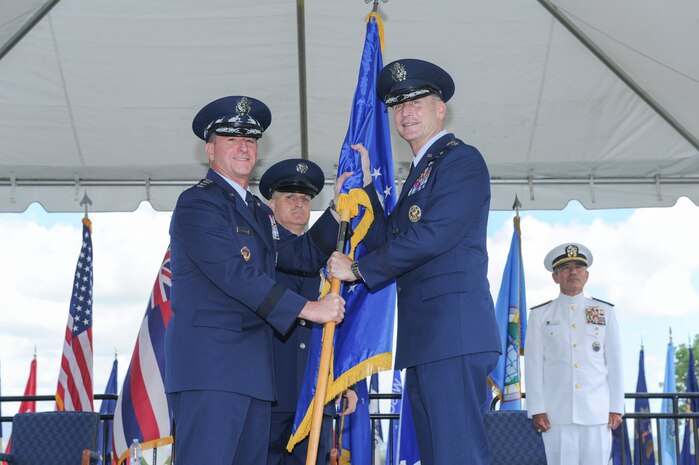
362, 343
142, 411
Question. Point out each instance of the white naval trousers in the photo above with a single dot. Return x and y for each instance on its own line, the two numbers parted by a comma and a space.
578, 444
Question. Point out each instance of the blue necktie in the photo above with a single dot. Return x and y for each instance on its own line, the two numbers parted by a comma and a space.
250, 200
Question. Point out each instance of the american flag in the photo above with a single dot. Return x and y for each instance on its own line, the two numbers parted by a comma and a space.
74, 392
142, 412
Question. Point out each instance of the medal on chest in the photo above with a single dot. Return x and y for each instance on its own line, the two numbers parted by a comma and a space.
595, 316
420, 182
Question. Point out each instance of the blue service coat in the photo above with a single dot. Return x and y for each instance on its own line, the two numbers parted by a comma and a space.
434, 244
225, 301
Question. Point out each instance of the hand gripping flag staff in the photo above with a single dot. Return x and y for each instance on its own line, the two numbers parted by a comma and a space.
362, 345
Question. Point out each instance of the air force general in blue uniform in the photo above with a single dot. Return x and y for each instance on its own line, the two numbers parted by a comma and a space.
289, 186
434, 245
218, 346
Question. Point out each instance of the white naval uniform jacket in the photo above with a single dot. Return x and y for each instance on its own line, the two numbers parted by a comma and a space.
572, 360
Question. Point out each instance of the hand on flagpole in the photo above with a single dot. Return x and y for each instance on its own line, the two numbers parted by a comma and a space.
366, 163
351, 404
340, 267
338, 190
329, 308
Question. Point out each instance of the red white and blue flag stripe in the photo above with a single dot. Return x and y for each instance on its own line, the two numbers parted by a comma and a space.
74, 392
142, 411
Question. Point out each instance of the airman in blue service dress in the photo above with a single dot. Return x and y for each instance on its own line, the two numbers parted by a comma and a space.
219, 373
573, 365
434, 245
296, 176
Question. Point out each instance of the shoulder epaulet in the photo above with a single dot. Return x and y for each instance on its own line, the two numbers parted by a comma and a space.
204, 183
603, 301
541, 305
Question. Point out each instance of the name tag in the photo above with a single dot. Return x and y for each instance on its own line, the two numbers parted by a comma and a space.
552, 322
242, 230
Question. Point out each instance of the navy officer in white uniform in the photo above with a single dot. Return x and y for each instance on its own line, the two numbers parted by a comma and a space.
225, 245
573, 365
434, 245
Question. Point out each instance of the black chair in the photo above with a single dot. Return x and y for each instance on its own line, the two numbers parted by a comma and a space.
56, 438
512, 439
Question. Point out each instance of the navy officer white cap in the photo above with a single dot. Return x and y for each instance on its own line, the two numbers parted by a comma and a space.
568, 252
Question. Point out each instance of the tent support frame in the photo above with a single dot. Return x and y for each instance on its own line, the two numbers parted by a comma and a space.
607, 60
28, 26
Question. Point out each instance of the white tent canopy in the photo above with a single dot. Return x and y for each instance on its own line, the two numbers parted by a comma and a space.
595, 101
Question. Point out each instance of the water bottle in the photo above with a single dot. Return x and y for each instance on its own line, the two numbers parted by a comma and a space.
135, 453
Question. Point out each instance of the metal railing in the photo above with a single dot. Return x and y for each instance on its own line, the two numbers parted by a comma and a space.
675, 416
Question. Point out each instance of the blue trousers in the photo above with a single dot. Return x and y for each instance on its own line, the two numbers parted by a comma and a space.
448, 400
219, 428
282, 425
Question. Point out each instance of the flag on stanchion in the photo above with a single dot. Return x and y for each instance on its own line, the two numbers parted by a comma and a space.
668, 434
362, 344
392, 443
643, 431
356, 433
621, 454
689, 449
107, 407
511, 315
74, 392
27, 406
374, 407
408, 453
142, 411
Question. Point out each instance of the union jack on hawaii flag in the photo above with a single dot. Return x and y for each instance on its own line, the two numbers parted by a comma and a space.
74, 392
142, 411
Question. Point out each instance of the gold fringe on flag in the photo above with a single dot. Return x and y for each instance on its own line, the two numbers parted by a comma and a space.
380, 362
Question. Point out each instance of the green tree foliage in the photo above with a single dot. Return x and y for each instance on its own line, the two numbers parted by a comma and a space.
681, 360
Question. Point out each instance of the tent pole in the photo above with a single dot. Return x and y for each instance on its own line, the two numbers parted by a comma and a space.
28, 26
303, 95
621, 74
